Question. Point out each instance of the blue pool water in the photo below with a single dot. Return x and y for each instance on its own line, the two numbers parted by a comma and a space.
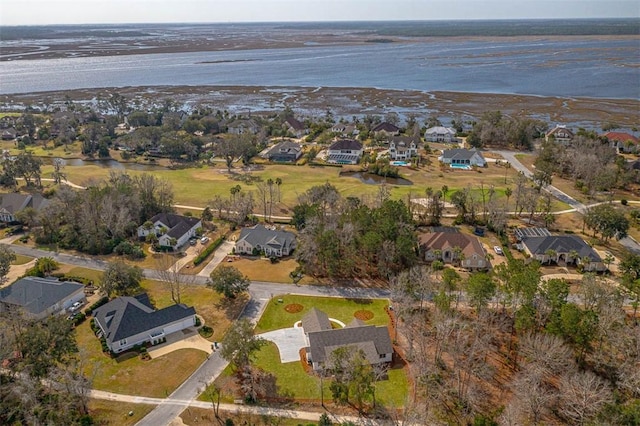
399, 163
460, 166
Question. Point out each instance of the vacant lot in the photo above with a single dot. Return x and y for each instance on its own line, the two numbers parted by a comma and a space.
106, 412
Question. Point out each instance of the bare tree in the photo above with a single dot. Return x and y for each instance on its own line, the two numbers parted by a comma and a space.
168, 271
582, 396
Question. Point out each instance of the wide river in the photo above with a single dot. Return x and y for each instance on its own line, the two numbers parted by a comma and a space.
599, 68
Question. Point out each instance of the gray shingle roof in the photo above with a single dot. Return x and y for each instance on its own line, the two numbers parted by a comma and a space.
124, 317
315, 320
323, 343
285, 147
460, 154
561, 244
176, 224
36, 295
259, 235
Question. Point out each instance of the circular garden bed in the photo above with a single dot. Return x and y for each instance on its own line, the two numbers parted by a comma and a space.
294, 308
363, 315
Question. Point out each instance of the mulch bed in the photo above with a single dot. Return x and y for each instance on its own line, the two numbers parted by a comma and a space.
294, 308
363, 315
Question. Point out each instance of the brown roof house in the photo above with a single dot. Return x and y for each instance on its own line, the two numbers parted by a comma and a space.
560, 134
296, 127
344, 151
386, 129
623, 142
451, 246
323, 340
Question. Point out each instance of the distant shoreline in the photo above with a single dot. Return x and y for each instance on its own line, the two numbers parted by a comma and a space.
347, 102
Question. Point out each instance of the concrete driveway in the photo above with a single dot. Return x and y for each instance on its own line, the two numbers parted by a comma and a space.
189, 338
289, 342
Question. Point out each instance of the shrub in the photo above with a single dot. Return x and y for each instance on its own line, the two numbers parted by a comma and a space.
624, 202
207, 251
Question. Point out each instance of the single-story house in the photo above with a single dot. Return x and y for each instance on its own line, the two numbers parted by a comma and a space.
563, 249
171, 229
296, 127
283, 152
402, 148
41, 297
560, 134
323, 340
440, 134
11, 203
462, 157
386, 129
273, 242
450, 246
623, 142
344, 151
129, 321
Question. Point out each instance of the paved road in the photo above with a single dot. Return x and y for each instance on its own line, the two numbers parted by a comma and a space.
510, 156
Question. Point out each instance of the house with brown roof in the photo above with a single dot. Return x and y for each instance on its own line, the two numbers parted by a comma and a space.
386, 129
560, 134
623, 142
344, 151
323, 340
449, 245
296, 127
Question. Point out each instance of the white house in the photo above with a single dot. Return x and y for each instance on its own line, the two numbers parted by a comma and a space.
440, 134
400, 149
40, 297
274, 243
129, 321
462, 157
172, 230
344, 151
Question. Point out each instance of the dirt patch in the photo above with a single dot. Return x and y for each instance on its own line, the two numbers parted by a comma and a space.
294, 308
363, 315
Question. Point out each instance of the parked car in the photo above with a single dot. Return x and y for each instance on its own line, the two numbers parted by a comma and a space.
193, 241
498, 250
204, 240
75, 306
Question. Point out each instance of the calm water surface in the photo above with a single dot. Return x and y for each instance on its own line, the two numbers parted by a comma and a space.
564, 68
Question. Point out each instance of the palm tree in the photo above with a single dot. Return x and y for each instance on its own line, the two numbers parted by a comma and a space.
444, 190
608, 260
458, 255
278, 183
574, 256
550, 254
507, 193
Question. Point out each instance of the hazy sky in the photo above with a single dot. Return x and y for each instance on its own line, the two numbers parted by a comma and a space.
33, 12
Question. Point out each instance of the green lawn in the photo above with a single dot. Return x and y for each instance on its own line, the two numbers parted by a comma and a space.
195, 186
275, 316
21, 260
106, 412
155, 378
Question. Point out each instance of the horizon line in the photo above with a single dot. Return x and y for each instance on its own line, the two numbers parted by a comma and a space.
332, 21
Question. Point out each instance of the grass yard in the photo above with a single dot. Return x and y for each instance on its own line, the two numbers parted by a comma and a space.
261, 269
275, 316
198, 416
211, 306
21, 260
155, 378
106, 412
195, 186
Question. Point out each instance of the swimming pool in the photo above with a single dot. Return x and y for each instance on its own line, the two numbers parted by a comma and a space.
460, 166
399, 163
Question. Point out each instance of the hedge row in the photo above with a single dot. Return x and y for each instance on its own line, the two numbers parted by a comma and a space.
206, 252
100, 302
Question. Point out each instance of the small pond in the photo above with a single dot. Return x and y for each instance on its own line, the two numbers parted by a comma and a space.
113, 164
371, 179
